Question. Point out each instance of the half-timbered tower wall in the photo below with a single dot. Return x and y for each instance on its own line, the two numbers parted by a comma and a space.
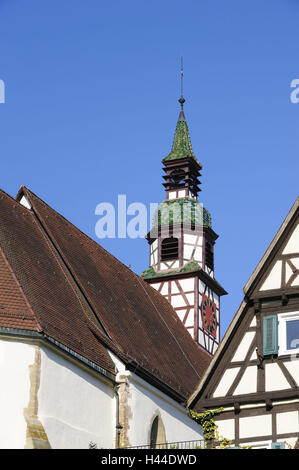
182, 245
180, 293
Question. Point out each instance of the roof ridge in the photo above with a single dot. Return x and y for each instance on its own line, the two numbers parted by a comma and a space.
285, 223
85, 235
70, 267
8, 196
65, 265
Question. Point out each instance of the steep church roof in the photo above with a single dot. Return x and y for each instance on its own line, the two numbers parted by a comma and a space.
40, 295
62, 284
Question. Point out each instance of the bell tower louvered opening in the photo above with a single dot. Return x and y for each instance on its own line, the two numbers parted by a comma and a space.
209, 255
169, 249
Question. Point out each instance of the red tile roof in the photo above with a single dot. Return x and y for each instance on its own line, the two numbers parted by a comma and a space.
45, 299
15, 310
88, 300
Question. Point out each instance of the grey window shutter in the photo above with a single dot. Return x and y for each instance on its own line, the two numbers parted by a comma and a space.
270, 335
277, 445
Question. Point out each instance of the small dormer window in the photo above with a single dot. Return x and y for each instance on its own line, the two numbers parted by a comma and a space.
169, 249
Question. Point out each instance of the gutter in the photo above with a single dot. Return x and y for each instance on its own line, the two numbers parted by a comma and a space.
34, 335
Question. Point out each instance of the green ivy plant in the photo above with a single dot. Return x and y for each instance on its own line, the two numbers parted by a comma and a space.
210, 429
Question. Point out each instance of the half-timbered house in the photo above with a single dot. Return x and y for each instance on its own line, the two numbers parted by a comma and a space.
254, 374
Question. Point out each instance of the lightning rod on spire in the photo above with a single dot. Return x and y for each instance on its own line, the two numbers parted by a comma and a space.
182, 99
182, 76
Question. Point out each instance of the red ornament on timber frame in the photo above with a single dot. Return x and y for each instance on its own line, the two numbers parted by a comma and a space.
208, 315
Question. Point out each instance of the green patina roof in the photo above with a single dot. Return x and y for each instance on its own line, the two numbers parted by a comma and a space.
181, 147
192, 266
181, 210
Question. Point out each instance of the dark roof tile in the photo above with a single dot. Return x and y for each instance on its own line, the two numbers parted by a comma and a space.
31, 270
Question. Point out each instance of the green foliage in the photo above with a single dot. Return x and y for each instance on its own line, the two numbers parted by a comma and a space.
206, 420
210, 429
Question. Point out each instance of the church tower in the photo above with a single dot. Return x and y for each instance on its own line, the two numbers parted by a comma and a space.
181, 244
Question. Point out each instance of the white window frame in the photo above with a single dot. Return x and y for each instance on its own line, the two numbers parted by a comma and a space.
282, 332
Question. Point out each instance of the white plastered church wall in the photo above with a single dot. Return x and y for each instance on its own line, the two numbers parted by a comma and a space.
145, 402
75, 407
15, 359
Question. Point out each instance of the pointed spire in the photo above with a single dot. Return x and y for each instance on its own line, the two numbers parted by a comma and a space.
181, 147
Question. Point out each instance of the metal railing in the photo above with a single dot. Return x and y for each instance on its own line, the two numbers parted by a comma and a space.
198, 444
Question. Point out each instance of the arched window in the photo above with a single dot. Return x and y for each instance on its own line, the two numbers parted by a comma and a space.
169, 249
154, 432
157, 436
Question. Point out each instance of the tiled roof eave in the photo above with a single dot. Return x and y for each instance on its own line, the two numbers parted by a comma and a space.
41, 336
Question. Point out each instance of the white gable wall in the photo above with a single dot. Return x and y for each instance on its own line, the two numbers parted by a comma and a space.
260, 426
274, 378
226, 381
282, 270
273, 281
293, 244
254, 426
243, 347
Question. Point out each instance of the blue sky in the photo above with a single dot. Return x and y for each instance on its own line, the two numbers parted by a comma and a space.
91, 108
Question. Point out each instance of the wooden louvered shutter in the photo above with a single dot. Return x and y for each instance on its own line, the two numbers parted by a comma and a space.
270, 335
170, 249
